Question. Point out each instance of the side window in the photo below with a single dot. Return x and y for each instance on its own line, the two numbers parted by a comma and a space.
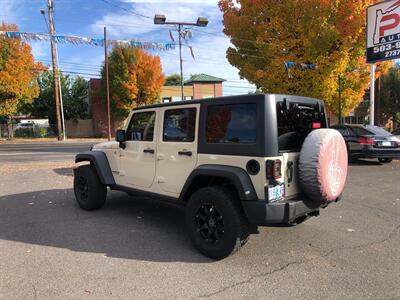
141, 126
234, 123
179, 125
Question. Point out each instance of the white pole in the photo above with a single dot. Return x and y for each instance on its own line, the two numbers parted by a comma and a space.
372, 96
61, 99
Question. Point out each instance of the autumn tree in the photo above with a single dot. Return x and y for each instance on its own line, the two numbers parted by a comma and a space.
135, 79
18, 73
329, 34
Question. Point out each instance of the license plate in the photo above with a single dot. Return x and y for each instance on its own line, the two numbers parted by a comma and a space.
387, 144
276, 193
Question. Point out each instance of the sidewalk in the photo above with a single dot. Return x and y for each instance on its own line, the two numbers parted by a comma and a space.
51, 140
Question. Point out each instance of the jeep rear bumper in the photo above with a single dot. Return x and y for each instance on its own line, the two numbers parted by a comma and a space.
286, 212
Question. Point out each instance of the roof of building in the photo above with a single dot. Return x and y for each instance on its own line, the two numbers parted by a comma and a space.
203, 78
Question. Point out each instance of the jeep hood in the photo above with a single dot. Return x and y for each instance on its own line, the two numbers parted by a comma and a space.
106, 145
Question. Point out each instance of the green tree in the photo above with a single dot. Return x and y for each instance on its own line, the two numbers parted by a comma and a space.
173, 80
135, 78
390, 94
76, 101
74, 94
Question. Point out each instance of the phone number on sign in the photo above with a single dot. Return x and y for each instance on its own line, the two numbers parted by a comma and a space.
389, 49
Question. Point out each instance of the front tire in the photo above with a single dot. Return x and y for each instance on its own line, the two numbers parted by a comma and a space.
385, 160
90, 193
216, 224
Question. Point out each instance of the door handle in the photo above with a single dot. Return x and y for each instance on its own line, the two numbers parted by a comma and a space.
290, 171
185, 152
151, 151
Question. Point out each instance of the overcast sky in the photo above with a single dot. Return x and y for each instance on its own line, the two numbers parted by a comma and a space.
88, 17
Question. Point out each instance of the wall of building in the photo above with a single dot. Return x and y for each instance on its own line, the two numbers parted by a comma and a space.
174, 92
196, 91
79, 128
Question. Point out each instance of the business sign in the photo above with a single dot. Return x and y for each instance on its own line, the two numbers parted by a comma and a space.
383, 31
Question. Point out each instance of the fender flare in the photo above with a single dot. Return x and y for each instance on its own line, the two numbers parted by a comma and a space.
238, 176
100, 162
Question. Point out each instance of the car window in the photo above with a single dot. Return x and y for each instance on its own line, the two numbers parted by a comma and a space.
296, 122
179, 125
396, 132
141, 127
378, 130
358, 130
235, 123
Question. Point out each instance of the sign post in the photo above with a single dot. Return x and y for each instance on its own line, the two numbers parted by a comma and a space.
372, 97
383, 39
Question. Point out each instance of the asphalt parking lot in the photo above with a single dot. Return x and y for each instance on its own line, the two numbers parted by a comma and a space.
137, 248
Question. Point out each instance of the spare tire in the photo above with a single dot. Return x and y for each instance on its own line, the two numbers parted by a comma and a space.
323, 165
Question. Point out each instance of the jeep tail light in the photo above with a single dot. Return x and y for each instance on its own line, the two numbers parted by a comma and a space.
366, 142
274, 169
315, 125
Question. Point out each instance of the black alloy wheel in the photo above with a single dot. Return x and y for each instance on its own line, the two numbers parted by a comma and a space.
90, 193
210, 224
83, 188
216, 222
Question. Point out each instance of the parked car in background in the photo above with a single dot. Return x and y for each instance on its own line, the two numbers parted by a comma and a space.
396, 132
369, 142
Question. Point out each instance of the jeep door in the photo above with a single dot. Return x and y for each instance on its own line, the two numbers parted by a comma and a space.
177, 146
137, 166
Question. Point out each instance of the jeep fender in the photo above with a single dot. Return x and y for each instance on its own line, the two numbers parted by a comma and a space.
236, 175
99, 160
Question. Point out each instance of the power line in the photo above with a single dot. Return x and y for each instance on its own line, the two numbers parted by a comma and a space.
126, 9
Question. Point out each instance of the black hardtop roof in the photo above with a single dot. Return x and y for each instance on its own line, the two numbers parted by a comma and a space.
237, 98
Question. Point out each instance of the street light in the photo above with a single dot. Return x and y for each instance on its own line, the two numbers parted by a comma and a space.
162, 20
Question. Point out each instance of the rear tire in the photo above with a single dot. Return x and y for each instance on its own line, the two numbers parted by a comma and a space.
90, 193
216, 224
385, 160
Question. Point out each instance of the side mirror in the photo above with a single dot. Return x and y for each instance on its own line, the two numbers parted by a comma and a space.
120, 137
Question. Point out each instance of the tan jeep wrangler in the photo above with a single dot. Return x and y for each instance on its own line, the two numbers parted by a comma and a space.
234, 162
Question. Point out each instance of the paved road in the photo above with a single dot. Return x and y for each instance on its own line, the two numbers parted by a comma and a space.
32, 152
136, 248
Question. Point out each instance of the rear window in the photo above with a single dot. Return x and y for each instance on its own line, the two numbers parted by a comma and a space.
361, 130
231, 124
378, 130
295, 122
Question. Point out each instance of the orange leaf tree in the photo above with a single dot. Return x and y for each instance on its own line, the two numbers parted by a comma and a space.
135, 79
18, 73
329, 34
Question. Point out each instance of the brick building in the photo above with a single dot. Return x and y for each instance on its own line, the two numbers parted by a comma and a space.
197, 87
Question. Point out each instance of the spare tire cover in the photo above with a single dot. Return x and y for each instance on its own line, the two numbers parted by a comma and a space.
323, 165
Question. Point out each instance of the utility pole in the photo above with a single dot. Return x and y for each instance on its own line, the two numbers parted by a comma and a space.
107, 84
180, 59
54, 64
